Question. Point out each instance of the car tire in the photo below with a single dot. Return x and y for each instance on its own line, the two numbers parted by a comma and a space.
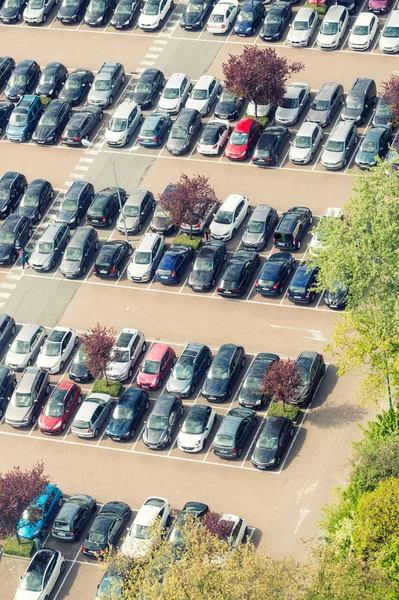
34, 419
140, 226
61, 365
147, 405
278, 461
201, 24
312, 298
160, 140
95, 433
39, 216
239, 452
29, 363
101, 118
280, 290
181, 410
254, 422
130, 373
131, 434
53, 263
229, 392
63, 426
30, 231
13, 330
291, 431
19, 16
84, 270
345, 162
96, 246
127, 140
118, 273
48, 389
44, 18
143, 347
311, 157
80, 399
298, 245
213, 283
123, 78
243, 362
233, 233
110, 221
110, 101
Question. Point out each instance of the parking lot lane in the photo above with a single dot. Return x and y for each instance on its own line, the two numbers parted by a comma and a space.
79, 581
10, 571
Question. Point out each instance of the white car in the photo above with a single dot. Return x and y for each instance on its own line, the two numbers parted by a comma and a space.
40, 577
37, 11
213, 137
262, 110
153, 14
333, 27
302, 27
389, 40
25, 347
363, 32
305, 143
175, 93
196, 428
123, 124
204, 94
229, 217
138, 540
237, 527
222, 16
56, 349
128, 347
317, 242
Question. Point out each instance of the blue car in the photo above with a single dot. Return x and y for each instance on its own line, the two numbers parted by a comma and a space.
154, 129
249, 17
126, 416
24, 118
40, 513
173, 263
301, 287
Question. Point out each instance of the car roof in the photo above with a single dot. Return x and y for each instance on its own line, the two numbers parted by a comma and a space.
308, 354
341, 130
260, 213
27, 379
37, 184
163, 404
244, 124
10, 176
327, 89
307, 128
157, 351
304, 13
136, 197
147, 514
80, 235
230, 203
334, 13
53, 66
147, 242
175, 79
51, 231
364, 18
192, 349
77, 185
185, 115
375, 133
26, 332
127, 334
393, 19
273, 425
24, 65
12, 221
58, 334
294, 89
204, 82
149, 74
124, 109
302, 275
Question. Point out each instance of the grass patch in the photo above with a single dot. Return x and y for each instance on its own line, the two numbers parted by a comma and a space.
25, 549
263, 121
183, 238
276, 409
321, 9
114, 388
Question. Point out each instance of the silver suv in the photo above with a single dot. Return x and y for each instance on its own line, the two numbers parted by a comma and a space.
106, 84
339, 146
49, 247
25, 347
28, 398
146, 257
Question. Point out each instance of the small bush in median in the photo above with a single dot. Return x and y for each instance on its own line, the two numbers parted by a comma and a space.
195, 243
261, 120
25, 549
114, 388
321, 9
276, 409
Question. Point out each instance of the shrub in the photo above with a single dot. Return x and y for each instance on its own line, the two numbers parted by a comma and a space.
195, 243
114, 388
262, 120
320, 9
25, 549
276, 409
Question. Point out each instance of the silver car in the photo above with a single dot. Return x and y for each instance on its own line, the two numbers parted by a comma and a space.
339, 146
136, 210
37, 11
25, 347
7, 329
305, 143
293, 104
302, 27
106, 84
123, 124
146, 258
49, 247
260, 226
129, 345
28, 398
91, 415
204, 94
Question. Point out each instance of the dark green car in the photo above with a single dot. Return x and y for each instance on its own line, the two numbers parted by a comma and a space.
374, 145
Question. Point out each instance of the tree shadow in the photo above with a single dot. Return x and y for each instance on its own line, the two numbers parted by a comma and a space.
336, 416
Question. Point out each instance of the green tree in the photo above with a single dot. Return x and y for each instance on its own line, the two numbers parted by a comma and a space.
385, 425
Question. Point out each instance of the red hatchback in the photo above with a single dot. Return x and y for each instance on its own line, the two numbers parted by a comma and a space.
59, 408
155, 367
242, 140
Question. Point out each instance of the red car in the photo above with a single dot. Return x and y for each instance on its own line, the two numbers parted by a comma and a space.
155, 367
59, 407
379, 6
243, 139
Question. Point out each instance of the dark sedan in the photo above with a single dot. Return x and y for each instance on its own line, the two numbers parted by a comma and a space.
71, 11
272, 442
52, 80
229, 106
183, 131
79, 370
311, 368
106, 528
195, 14
35, 199
105, 207
146, 89
237, 275
12, 188
23, 79
81, 124
73, 517
301, 287
6, 109
224, 370
124, 13
336, 297
270, 145
189, 369
111, 258
249, 17
127, 414
12, 10
8, 381
77, 86
162, 421
154, 129
233, 432
275, 274
207, 266
6, 67
375, 144
52, 122
251, 395
98, 12
160, 222
75, 203
276, 21
259, 227
173, 264
15, 231
383, 114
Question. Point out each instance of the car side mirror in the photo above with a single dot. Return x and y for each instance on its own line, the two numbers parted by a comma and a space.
20, 577
145, 422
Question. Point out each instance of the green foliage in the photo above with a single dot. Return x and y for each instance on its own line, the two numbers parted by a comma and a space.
385, 425
321, 9
114, 388
195, 243
389, 558
262, 120
25, 549
276, 409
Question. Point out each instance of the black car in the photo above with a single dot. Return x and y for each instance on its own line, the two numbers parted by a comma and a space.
35, 199
233, 432
270, 145
249, 17
352, 5
207, 266
73, 517
160, 222
229, 106
275, 274
12, 188
374, 145
250, 394
361, 97
79, 371
77, 86
147, 88
14, 232
383, 114
105, 207
276, 21
191, 510
81, 124
12, 10
52, 80
79, 253
311, 367
189, 369
127, 414
195, 14
52, 122
71, 11
98, 12
75, 203
106, 528
292, 227
301, 287
124, 13
111, 258
183, 131
6, 67
336, 297
23, 79
8, 381
259, 227
237, 274
162, 421
218, 385
6, 109
273, 440
7, 329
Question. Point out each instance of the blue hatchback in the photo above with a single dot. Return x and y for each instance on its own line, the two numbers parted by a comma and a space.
154, 129
302, 284
249, 17
40, 513
24, 118
173, 263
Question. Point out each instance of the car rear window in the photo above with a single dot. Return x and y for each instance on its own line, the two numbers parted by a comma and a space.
61, 525
81, 424
226, 441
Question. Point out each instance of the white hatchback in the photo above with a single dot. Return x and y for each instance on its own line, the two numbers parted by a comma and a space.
222, 16
196, 428
138, 541
305, 143
229, 217
123, 124
333, 27
56, 349
316, 243
153, 14
175, 93
389, 40
363, 32
302, 27
204, 94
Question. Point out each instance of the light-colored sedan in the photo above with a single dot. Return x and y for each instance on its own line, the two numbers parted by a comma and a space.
363, 32
333, 27
91, 415
25, 347
138, 541
196, 428
237, 527
293, 104
129, 345
204, 94
123, 124
222, 17
153, 14
40, 577
302, 28
389, 40
316, 243
305, 143
37, 11
56, 349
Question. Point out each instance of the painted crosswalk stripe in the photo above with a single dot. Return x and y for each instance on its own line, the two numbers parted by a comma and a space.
68, 183
81, 168
7, 286
13, 276
4, 295
155, 49
76, 176
152, 56
86, 160
161, 42
147, 62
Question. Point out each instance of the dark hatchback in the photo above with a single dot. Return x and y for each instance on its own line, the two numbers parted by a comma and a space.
23, 79
111, 258
52, 122
189, 369
105, 207
270, 145
207, 266
375, 144
224, 370
173, 264
233, 432
311, 368
12, 10
6, 109
275, 274
14, 232
301, 287
98, 12
191, 511
6, 66
183, 131
146, 89
276, 21
162, 421
79, 370
195, 14
251, 395
52, 80
383, 114
292, 227
272, 442
71, 11
106, 528
77, 86
12, 188
259, 227
79, 252
7, 329
237, 275
160, 222
35, 199
75, 203
124, 13
229, 106
8, 381
73, 517
81, 124
127, 414
337, 296
249, 17
154, 129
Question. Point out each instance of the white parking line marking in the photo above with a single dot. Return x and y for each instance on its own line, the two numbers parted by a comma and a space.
316, 334
8, 286
81, 168
84, 159
66, 574
152, 55
147, 62
4, 295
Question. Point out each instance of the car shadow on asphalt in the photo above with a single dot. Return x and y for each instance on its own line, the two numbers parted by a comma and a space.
292, 453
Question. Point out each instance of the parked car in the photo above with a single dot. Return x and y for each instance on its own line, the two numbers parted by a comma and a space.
112, 582
236, 527
162, 422
59, 408
305, 143
154, 14
380, 6
222, 16
52, 122
79, 252
129, 345
77, 86
270, 145
374, 145
259, 227
91, 415
361, 97
389, 39
339, 146
275, 274
112, 258
155, 367
8, 382
183, 131
75, 203
229, 106
106, 528
383, 113
249, 17
53, 75
161, 222
81, 125
28, 398
41, 575
136, 211
37, 196
146, 257
195, 14
105, 207
6, 108
317, 241
79, 370
292, 227
223, 372
392, 156
12, 188
196, 428
336, 297
127, 414
106, 83
207, 266
49, 247
7, 329
301, 287
154, 129
333, 28
233, 432
238, 273
24, 118
123, 124
191, 511
124, 13
71, 11
25, 347
251, 395
351, 5
213, 138
56, 349
98, 12
148, 86
73, 517
326, 103
364, 31
302, 28
202, 223
7, 64
242, 140
274, 438
14, 233
311, 368
173, 264
229, 217
37, 11
189, 369
138, 539
293, 104
204, 94
276, 21
27, 72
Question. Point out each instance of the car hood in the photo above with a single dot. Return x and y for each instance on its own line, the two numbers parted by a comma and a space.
139, 98
117, 368
96, 96
119, 426
295, 35
70, 266
16, 359
166, 104
14, 130
50, 422
358, 39
252, 238
225, 108
153, 436
242, 27
286, 114
299, 153
93, 16
114, 136
388, 43
197, 104
302, 392
249, 395
271, 28
70, 95
188, 439
135, 548
317, 116
200, 277
27, 530
79, 370
148, 20
214, 387
16, 413
40, 259
136, 270
45, 88
334, 296
64, 216
176, 386
191, 18
27, 211
46, 362
9, 13
263, 456
367, 158
5, 250
131, 222
219, 228
332, 157
327, 40
378, 3
43, 132
32, 13
4, 204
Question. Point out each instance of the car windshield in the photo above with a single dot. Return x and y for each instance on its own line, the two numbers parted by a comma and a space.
101, 85
245, 16
142, 258
171, 93
80, 357
66, 3
22, 400
46, 79
122, 412
20, 346
226, 441
48, 120
268, 442
121, 356
300, 25
72, 84
183, 369
360, 30
74, 254
158, 422
11, 3
33, 514
55, 405
97, 536
199, 94
6, 237
117, 124
140, 532
194, 8
69, 204
227, 96
193, 425
335, 146
96, 5
131, 211
110, 587
17, 79
52, 348
29, 200
255, 227
179, 133
302, 141
223, 217
203, 264
252, 383
33, 581
18, 119
273, 18
36, 4
370, 146
150, 367
151, 8
391, 32
123, 9
329, 28
320, 104
238, 138
218, 371
143, 87
290, 102
384, 109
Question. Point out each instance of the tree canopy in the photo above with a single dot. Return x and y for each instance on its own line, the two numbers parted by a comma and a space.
98, 343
